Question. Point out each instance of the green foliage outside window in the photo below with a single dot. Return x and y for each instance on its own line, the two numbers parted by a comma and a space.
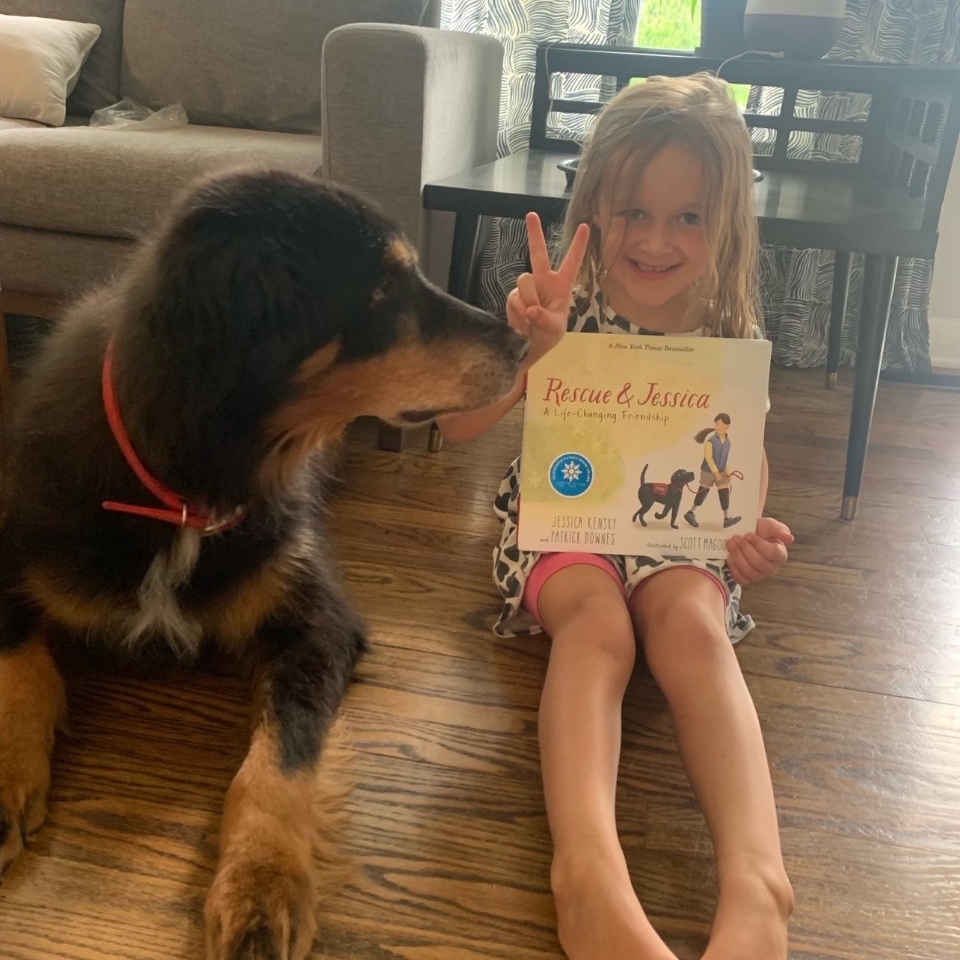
668, 23
675, 25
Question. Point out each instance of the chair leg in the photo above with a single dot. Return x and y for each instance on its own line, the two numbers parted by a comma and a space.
838, 310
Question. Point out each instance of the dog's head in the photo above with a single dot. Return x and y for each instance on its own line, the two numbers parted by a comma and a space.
297, 306
680, 478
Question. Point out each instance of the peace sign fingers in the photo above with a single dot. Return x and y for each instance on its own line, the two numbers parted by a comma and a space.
537, 242
570, 267
540, 303
554, 285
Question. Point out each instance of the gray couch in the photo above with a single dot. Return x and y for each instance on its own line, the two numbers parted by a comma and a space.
391, 104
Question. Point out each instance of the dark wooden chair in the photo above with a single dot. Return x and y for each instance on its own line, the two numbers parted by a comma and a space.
905, 144
905, 141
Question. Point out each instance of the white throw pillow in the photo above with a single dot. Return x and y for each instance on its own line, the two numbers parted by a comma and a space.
40, 61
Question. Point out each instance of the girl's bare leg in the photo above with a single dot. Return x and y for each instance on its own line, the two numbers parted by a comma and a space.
591, 658
679, 615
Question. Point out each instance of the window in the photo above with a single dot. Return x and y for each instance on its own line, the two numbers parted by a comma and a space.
672, 25
669, 24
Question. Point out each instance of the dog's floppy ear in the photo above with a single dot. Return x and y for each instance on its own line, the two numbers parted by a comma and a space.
255, 271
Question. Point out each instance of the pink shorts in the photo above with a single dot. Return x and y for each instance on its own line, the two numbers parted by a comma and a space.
550, 563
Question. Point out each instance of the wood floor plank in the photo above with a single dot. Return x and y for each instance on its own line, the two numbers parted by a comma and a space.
854, 666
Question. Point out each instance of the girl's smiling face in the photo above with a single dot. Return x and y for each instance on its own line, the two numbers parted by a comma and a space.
654, 242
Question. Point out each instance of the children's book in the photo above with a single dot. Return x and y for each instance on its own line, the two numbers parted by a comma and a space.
643, 445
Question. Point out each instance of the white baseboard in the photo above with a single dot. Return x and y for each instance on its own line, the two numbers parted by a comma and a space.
945, 342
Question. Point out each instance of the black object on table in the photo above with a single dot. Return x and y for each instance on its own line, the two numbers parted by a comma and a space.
886, 205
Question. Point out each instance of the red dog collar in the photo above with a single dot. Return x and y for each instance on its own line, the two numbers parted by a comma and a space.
178, 510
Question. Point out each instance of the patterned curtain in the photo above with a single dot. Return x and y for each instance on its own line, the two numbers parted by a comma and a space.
520, 25
796, 284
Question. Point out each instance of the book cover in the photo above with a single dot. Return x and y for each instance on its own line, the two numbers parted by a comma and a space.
643, 445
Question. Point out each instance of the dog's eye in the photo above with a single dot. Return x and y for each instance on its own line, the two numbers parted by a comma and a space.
387, 287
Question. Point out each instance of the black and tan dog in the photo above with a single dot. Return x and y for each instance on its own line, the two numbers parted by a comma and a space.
668, 494
162, 493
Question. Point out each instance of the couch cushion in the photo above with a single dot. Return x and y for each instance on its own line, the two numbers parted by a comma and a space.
99, 81
40, 61
58, 264
9, 123
117, 183
245, 63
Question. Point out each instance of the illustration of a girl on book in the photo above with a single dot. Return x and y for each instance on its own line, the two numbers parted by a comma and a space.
713, 470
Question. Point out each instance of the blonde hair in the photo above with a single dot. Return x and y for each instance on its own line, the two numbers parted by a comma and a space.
698, 113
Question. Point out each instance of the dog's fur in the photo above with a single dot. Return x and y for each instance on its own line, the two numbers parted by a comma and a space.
668, 494
271, 311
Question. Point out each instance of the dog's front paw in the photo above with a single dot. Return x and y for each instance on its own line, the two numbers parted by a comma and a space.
32, 703
263, 910
24, 782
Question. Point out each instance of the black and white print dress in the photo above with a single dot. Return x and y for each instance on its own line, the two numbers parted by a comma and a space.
511, 565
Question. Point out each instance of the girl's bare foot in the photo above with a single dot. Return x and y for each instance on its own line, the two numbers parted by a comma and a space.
598, 914
751, 920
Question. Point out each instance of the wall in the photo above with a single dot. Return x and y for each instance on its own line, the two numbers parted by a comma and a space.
945, 293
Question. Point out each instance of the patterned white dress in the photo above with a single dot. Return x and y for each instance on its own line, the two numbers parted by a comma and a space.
511, 565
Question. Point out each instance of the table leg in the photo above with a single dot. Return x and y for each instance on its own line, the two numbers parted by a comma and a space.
838, 310
463, 254
878, 276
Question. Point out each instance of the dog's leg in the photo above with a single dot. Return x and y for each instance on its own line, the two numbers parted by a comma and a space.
32, 704
263, 900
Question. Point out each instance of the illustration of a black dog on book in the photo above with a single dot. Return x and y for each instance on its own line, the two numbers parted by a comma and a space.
668, 494
713, 470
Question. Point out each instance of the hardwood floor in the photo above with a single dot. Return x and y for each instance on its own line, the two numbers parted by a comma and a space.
854, 666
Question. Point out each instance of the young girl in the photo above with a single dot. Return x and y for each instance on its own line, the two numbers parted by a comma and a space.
662, 219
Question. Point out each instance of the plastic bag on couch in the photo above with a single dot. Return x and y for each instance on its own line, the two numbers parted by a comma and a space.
127, 114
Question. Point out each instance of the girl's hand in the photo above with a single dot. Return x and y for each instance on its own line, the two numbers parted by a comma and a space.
755, 556
539, 305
